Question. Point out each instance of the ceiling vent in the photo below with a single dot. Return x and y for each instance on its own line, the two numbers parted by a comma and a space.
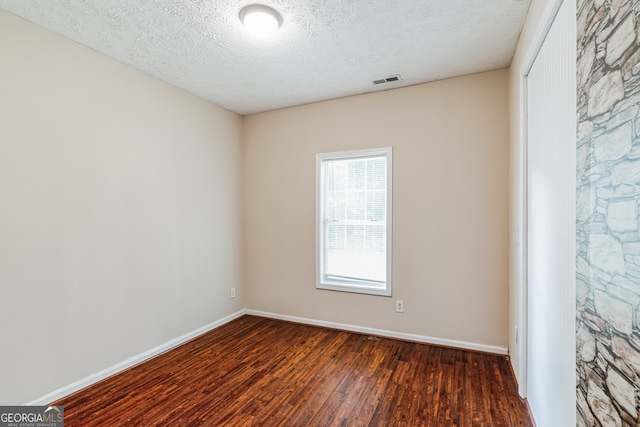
390, 79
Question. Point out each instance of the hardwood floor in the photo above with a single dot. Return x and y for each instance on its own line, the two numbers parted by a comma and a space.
262, 372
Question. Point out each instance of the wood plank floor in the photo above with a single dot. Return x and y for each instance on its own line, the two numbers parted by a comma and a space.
262, 372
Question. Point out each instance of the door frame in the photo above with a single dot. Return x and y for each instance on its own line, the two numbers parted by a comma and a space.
522, 223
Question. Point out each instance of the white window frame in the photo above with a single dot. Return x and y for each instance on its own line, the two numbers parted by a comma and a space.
357, 286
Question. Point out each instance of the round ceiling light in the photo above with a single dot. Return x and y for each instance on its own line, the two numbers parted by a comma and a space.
260, 19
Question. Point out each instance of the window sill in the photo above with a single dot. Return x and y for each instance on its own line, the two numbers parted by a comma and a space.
378, 291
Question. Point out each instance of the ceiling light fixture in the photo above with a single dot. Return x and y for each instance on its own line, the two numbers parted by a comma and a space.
260, 19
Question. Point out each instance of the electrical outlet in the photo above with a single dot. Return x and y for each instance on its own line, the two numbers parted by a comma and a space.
233, 292
399, 306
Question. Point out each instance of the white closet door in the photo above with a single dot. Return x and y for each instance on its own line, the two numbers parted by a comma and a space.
551, 177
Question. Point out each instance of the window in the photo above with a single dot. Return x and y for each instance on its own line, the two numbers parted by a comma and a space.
353, 221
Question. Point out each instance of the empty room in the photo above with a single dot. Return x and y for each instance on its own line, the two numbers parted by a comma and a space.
318, 213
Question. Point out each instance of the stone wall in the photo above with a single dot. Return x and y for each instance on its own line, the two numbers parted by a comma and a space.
608, 196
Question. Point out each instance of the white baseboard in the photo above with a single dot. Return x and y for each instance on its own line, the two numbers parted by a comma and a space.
119, 367
383, 333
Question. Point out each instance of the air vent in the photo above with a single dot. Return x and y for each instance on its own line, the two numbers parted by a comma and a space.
390, 79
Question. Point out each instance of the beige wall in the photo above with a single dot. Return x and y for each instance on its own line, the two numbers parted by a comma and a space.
450, 231
120, 212
539, 10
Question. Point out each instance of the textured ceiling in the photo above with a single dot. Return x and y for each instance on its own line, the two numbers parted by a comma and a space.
325, 48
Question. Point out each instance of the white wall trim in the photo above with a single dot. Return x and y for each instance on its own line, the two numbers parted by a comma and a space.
549, 120
171, 344
139, 358
384, 333
548, 17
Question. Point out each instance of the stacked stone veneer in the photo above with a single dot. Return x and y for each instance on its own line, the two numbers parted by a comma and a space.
608, 196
